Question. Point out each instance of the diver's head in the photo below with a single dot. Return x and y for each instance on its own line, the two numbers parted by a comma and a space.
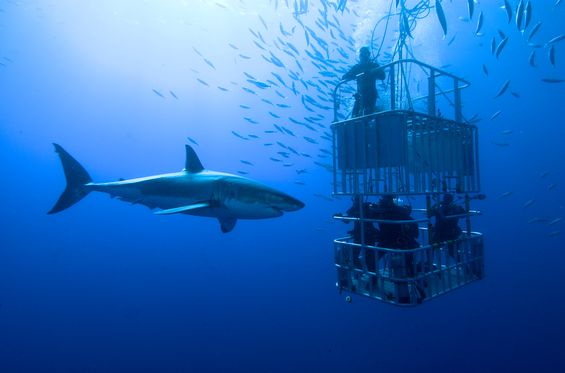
404, 203
364, 55
447, 198
387, 200
356, 199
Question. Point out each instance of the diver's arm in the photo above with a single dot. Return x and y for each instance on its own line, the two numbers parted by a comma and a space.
351, 74
378, 72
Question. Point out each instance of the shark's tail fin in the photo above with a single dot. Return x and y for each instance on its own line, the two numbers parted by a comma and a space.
76, 177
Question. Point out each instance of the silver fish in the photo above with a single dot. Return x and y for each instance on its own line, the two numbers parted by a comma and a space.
552, 55
441, 17
503, 89
209, 63
479, 24
238, 135
552, 80
520, 15
158, 93
528, 15
535, 219
535, 29
531, 59
528, 203
500, 47
508, 9
556, 39
495, 115
505, 194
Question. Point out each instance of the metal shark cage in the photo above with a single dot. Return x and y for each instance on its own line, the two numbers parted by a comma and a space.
417, 145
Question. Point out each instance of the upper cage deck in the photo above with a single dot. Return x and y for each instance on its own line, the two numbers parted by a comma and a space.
408, 148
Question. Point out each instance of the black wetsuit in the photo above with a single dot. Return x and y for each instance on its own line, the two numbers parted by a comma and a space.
371, 233
446, 229
366, 75
396, 236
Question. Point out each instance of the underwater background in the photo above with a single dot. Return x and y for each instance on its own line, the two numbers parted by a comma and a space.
106, 286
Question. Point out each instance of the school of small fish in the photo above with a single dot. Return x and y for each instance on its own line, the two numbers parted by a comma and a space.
522, 14
288, 111
321, 41
294, 136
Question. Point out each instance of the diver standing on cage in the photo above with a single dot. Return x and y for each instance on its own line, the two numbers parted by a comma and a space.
366, 72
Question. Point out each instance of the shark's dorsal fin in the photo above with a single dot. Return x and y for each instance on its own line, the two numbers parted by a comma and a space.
192, 163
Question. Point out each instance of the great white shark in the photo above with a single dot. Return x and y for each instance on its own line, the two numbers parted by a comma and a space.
193, 191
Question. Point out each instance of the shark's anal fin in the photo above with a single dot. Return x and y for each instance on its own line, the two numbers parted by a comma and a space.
227, 224
181, 209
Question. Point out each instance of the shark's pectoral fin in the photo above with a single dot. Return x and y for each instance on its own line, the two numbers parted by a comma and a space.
182, 209
227, 224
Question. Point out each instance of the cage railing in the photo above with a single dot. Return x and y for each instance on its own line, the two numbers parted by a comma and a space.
404, 152
408, 276
405, 87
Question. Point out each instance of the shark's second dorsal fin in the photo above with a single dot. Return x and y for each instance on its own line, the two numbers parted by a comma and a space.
192, 163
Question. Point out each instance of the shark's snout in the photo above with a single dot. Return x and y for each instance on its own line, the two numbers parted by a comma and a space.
290, 204
297, 205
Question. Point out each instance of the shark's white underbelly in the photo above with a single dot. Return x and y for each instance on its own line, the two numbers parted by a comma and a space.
232, 208
242, 210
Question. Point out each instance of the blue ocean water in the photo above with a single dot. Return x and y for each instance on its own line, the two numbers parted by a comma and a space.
109, 287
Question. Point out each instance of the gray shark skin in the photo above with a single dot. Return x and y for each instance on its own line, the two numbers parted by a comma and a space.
193, 191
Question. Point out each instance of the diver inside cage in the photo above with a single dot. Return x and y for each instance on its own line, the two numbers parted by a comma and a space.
363, 233
447, 233
390, 235
446, 228
401, 236
372, 244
